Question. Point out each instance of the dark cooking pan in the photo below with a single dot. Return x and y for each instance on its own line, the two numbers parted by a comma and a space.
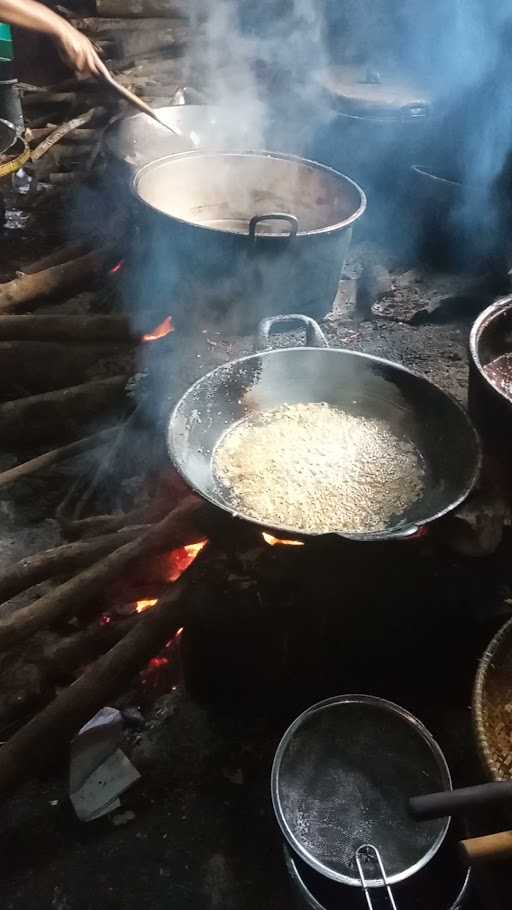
357, 383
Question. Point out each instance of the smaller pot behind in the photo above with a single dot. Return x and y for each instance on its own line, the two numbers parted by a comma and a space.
491, 409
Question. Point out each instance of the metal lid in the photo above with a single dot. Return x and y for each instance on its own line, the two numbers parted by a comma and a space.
342, 777
364, 91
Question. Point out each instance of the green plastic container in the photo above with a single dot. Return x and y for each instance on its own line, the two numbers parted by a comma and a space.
6, 43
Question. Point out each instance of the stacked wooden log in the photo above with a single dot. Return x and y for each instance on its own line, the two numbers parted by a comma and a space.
56, 407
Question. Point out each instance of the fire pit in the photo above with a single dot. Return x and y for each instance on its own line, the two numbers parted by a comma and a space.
200, 635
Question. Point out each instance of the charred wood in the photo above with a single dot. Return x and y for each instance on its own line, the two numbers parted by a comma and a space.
30, 367
180, 527
59, 413
60, 561
67, 327
41, 738
14, 295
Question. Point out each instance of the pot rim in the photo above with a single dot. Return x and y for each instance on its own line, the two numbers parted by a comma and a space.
282, 156
395, 532
481, 323
297, 879
423, 732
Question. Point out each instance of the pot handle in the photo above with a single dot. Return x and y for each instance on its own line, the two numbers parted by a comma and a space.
188, 95
315, 338
456, 802
366, 851
274, 216
488, 847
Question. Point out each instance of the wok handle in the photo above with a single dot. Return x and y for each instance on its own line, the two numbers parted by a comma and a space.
315, 338
274, 216
489, 847
456, 802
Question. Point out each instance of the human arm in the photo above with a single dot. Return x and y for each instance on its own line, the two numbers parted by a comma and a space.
78, 51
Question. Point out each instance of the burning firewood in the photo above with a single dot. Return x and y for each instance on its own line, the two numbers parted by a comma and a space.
14, 295
51, 730
38, 417
61, 560
180, 527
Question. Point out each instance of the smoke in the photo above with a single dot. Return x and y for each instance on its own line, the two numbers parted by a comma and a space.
461, 51
262, 63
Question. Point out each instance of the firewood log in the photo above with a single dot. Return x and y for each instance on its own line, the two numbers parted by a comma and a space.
31, 367
35, 744
57, 257
140, 9
180, 527
79, 329
16, 294
39, 417
69, 557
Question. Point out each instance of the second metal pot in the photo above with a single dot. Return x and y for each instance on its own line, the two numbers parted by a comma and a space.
248, 233
491, 409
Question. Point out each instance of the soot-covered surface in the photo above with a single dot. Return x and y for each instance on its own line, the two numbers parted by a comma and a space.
197, 831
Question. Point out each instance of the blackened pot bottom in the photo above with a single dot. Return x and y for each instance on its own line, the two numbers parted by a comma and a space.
444, 884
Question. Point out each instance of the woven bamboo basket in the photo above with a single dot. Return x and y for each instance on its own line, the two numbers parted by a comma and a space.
492, 706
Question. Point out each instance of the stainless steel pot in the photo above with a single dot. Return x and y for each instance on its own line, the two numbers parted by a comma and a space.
491, 409
131, 142
445, 884
248, 233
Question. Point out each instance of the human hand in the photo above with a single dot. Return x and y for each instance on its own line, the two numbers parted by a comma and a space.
79, 52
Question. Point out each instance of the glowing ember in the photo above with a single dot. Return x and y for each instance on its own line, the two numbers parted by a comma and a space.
179, 560
143, 605
156, 663
165, 328
276, 541
117, 267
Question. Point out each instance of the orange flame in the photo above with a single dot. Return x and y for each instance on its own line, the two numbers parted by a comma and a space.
143, 605
165, 328
276, 541
179, 560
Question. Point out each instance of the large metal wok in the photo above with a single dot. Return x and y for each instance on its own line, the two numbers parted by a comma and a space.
358, 383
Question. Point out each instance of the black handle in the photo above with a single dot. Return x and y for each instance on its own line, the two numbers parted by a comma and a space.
456, 802
291, 220
315, 338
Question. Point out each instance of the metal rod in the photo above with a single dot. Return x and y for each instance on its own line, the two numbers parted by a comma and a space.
363, 851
